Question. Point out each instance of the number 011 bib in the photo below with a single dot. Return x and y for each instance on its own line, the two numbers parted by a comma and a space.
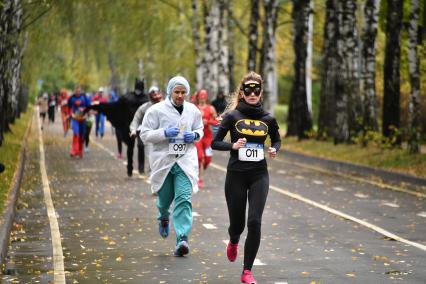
252, 152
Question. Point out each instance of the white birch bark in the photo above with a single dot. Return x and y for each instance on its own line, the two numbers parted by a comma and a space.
309, 57
269, 69
414, 68
253, 36
368, 69
223, 63
196, 39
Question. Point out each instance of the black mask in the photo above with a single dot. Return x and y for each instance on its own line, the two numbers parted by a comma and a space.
250, 88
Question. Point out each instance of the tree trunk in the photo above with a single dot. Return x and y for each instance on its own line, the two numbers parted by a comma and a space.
223, 56
231, 47
268, 71
253, 36
299, 118
309, 57
114, 77
368, 77
327, 107
211, 48
391, 97
413, 60
197, 45
350, 56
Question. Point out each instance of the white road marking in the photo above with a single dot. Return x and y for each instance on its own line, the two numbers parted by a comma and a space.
339, 213
281, 283
361, 195
299, 177
84, 170
379, 184
258, 262
317, 182
195, 214
209, 226
281, 172
390, 204
336, 188
422, 214
58, 255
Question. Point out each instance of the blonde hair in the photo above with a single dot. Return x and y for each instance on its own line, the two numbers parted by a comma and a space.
238, 94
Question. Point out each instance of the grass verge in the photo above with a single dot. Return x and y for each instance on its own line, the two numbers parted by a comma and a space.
9, 153
397, 160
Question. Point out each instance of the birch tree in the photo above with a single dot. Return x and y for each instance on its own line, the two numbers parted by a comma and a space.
414, 69
299, 118
253, 35
391, 97
329, 82
210, 53
10, 62
267, 67
196, 41
223, 55
231, 47
368, 75
309, 56
349, 42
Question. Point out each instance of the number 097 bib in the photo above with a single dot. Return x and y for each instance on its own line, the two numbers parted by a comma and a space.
252, 152
177, 146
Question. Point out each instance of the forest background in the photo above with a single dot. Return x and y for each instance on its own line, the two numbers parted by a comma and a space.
338, 46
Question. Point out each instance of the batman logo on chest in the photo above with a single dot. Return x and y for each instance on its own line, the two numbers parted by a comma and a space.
251, 127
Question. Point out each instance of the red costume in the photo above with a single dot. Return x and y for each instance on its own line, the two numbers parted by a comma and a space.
65, 110
204, 149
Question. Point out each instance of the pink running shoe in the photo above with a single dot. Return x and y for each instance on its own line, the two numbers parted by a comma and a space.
247, 277
200, 183
232, 251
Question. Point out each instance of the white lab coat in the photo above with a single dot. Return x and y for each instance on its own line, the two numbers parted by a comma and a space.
159, 117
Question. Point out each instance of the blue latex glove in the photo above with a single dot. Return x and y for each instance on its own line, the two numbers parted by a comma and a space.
188, 136
171, 132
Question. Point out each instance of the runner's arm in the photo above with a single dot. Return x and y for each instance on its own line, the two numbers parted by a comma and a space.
218, 143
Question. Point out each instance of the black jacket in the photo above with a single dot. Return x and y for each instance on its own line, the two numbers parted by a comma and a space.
255, 130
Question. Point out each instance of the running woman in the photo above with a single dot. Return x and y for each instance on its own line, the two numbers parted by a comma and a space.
172, 126
247, 174
204, 150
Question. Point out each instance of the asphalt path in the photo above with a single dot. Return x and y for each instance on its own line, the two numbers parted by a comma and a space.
109, 234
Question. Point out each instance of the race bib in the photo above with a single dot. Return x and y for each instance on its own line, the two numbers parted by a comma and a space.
252, 152
177, 146
209, 152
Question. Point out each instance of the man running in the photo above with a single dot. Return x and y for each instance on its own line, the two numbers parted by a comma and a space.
155, 96
172, 126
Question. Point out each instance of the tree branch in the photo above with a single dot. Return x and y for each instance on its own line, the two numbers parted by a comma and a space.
36, 18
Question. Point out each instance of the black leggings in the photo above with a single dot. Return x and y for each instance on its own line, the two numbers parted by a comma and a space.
239, 186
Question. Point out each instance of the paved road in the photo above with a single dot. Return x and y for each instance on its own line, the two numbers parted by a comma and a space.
108, 232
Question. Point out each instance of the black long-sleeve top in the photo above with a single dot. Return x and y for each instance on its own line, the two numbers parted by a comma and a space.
254, 130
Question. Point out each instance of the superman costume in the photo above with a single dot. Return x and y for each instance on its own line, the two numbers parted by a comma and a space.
77, 105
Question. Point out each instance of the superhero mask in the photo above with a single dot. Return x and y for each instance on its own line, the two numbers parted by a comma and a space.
250, 88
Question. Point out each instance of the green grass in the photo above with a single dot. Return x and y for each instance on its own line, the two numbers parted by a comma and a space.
398, 160
9, 153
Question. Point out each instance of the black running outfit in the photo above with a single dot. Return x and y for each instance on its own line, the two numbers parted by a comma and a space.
246, 179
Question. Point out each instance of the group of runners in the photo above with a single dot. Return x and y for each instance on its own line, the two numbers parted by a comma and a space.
179, 135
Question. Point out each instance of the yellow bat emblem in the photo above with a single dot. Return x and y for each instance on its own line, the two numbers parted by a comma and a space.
251, 127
